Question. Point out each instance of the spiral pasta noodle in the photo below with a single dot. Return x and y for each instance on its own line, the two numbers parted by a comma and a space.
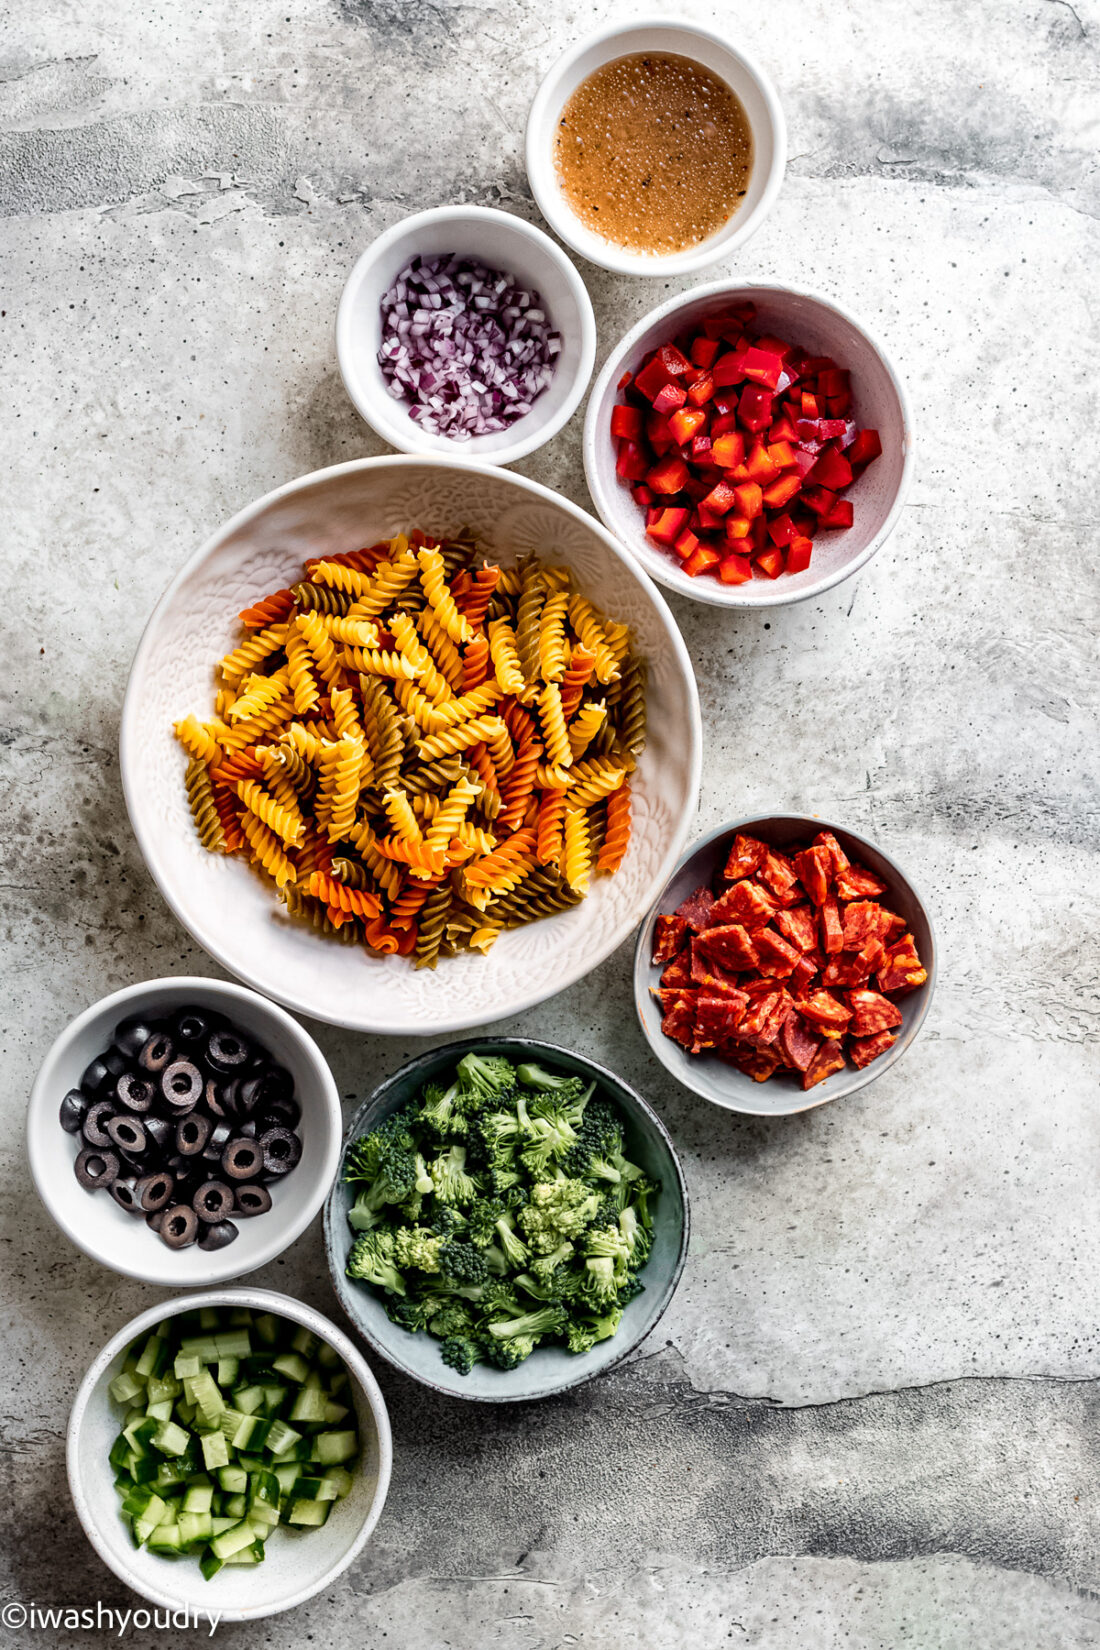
421, 750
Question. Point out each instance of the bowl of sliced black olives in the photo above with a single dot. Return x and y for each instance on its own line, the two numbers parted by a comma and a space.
184, 1131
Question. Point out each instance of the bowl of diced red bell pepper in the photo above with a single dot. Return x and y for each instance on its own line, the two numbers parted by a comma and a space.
788, 962
750, 443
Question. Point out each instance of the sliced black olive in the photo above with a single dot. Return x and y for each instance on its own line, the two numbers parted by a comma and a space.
73, 1108
160, 1132
96, 1168
252, 1200
154, 1192
180, 1226
123, 1193
95, 1078
227, 1052
157, 1052
181, 1085
213, 1200
212, 1096
247, 1131
135, 1092
193, 1025
242, 1159
217, 1235
94, 1127
192, 1133
153, 1221
220, 1136
282, 1149
132, 1035
128, 1134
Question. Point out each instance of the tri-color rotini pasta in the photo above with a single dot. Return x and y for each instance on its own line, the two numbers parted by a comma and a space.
422, 749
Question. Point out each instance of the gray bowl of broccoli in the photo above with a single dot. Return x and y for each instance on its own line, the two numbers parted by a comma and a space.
510, 1219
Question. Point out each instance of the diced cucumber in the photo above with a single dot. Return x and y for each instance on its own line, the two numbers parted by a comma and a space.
304, 1341
266, 1327
186, 1366
126, 1386
281, 1437
341, 1480
292, 1365
274, 1398
228, 1370
161, 1411
145, 1470
235, 1506
120, 1450
206, 1394
234, 1480
199, 1496
310, 1405
195, 1526
210, 1564
328, 1357
171, 1439
288, 1475
333, 1447
263, 1519
154, 1357
146, 1522
209, 1317
248, 1555
166, 1538
166, 1386
169, 1476
311, 1513
248, 1399
186, 1414
215, 1450
221, 1522
334, 1412
233, 1540
233, 1343
202, 1347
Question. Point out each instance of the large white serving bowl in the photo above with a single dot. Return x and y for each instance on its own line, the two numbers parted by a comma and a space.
228, 908
96, 1223
815, 324
298, 1564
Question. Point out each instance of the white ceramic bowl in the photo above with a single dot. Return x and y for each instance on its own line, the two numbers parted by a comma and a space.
818, 325
296, 1566
504, 242
227, 907
715, 52
94, 1221
780, 1095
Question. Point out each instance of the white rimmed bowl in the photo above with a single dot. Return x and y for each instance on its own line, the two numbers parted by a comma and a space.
780, 1095
715, 52
820, 326
226, 906
297, 1566
549, 1369
504, 242
94, 1221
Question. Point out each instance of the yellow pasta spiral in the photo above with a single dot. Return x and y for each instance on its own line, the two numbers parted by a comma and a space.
387, 582
378, 662
433, 682
585, 726
591, 790
299, 666
285, 822
351, 632
451, 814
403, 822
502, 651
441, 647
257, 693
267, 850
319, 642
259, 646
552, 659
554, 732
338, 577
586, 623
433, 577
197, 740
340, 770
576, 856
483, 729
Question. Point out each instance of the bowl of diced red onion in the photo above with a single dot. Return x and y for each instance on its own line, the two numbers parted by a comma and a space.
465, 331
788, 962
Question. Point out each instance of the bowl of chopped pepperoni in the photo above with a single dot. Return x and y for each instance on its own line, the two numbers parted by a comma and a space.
788, 962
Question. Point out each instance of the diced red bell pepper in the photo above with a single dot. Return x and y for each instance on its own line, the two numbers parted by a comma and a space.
864, 449
749, 498
701, 391
813, 364
783, 429
658, 434
781, 529
737, 527
668, 398
759, 466
721, 499
832, 470
728, 448
781, 454
723, 423
709, 520
670, 475
685, 423
697, 487
782, 491
832, 381
702, 561
761, 366
754, 407
686, 544
798, 555
626, 379
771, 561
727, 370
652, 378
701, 450
667, 525
808, 404
627, 422
817, 499
703, 351
840, 515
674, 361
735, 569
632, 463
775, 346
643, 495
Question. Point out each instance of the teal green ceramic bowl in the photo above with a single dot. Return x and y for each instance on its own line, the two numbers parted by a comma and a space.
549, 1369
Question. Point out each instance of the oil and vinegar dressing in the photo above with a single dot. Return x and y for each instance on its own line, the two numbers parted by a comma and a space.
653, 152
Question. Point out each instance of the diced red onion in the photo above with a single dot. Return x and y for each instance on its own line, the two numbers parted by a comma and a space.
465, 346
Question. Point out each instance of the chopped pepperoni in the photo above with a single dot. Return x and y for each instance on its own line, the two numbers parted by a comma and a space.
678, 972
829, 1058
826, 840
669, 998
757, 1063
709, 974
902, 970
695, 910
805, 970
669, 935
679, 1022
862, 1050
865, 920
745, 858
815, 867
712, 1021
774, 956
798, 926
832, 929
856, 883
746, 903
728, 945
781, 877
871, 1013
798, 1042
825, 1011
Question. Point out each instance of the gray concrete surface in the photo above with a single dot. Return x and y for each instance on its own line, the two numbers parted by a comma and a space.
870, 1417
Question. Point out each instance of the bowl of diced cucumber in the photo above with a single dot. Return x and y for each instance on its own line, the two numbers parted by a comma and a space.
229, 1452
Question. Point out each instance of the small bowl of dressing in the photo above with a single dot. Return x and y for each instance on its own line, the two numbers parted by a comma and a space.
655, 148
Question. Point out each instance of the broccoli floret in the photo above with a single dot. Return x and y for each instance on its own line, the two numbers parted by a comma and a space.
601, 1280
461, 1353
451, 1182
368, 1211
484, 1079
510, 1354
412, 1313
502, 1135
496, 1260
438, 1109
509, 1239
447, 1220
585, 1330
482, 1217
545, 1266
453, 1318
507, 1184
534, 1076
608, 1242
640, 1193
499, 1299
600, 1137
417, 1246
636, 1236
364, 1157
633, 1286
399, 1176
372, 1261
547, 1131
558, 1209
462, 1264
543, 1322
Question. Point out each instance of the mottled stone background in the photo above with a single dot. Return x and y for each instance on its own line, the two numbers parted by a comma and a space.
870, 1417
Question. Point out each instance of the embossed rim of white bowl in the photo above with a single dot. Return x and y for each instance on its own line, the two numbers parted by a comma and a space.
387, 416
156, 1264
847, 1082
539, 160
663, 568
261, 1300
693, 732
